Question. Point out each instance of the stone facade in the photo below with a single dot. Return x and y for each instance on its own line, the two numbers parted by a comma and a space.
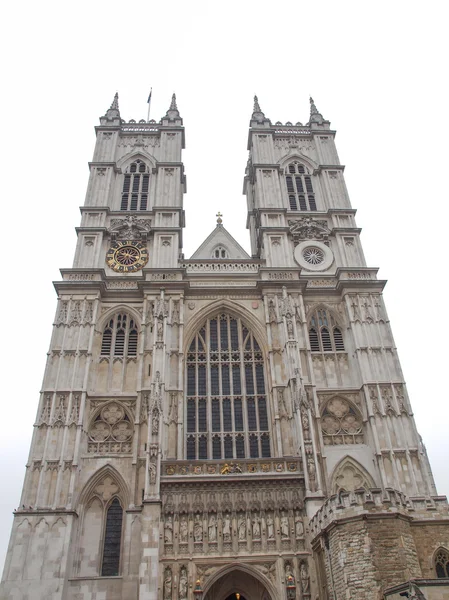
226, 423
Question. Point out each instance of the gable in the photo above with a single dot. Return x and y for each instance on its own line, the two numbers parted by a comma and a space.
220, 238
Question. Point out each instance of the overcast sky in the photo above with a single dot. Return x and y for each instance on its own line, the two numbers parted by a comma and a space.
377, 71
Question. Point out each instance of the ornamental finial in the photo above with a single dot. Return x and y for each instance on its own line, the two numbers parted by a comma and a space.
114, 105
256, 105
313, 108
173, 105
219, 219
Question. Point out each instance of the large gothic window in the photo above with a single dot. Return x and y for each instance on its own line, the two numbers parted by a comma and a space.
299, 187
227, 414
324, 333
135, 187
442, 563
119, 337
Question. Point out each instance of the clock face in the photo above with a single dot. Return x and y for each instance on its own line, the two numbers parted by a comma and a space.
127, 256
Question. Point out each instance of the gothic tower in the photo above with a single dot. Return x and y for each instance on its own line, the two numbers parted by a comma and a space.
225, 426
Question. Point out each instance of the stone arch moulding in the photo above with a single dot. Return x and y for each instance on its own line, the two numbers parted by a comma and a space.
322, 306
119, 308
97, 479
349, 475
243, 568
127, 159
236, 310
308, 162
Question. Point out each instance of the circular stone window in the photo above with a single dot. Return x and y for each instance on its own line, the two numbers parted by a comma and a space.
314, 256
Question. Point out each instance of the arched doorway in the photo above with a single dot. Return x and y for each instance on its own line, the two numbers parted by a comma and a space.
235, 583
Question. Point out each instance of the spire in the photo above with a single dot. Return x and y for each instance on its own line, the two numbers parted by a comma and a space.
114, 104
173, 112
257, 113
315, 115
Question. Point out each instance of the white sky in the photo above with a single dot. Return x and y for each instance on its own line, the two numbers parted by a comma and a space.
377, 71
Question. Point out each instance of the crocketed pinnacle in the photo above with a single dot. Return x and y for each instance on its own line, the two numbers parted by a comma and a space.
114, 104
313, 108
257, 112
256, 105
173, 105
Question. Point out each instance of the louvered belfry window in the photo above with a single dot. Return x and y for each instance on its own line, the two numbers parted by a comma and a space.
112, 539
324, 333
227, 413
135, 187
299, 187
119, 336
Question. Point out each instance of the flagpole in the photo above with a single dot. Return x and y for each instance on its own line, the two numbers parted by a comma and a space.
149, 104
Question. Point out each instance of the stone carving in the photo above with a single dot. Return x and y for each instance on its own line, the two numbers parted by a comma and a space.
284, 526
160, 329
111, 431
60, 413
374, 400
183, 530
198, 529
168, 584
299, 525
129, 228
288, 569
62, 314
341, 424
160, 308
155, 421
401, 400
311, 470
228, 469
173, 410
286, 304
227, 527
212, 528
241, 527
175, 313
290, 329
168, 531
107, 488
307, 228
304, 577
88, 312
75, 411
387, 401
182, 595
256, 526
270, 527
271, 311
75, 313
152, 469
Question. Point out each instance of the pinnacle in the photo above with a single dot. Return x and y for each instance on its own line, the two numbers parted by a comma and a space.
313, 108
256, 105
114, 104
173, 105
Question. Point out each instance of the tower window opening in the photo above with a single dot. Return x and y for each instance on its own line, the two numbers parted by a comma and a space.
112, 540
299, 188
227, 409
325, 335
120, 337
135, 187
442, 563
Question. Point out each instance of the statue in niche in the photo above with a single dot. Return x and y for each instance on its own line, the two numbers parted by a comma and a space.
175, 313
152, 469
256, 526
305, 423
173, 411
155, 422
304, 575
311, 469
183, 584
284, 525
168, 531
183, 530
160, 329
271, 311
167, 584
241, 526
270, 527
290, 328
299, 526
227, 527
212, 528
198, 529
283, 412
289, 572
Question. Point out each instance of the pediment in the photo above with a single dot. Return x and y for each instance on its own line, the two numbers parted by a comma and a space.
220, 238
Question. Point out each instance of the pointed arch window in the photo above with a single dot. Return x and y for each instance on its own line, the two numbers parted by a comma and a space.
299, 187
120, 336
220, 252
112, 539
442, 563
325, 334
226, 413
136, 183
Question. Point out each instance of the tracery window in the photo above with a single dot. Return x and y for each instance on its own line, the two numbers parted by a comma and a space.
120, 336
220, 252
227, 413
324, 333
111, 431
442, 563
299, 187
341, 423
135, 187
112, 540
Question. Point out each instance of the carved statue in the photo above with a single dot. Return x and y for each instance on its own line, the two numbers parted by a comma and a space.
183, 584
241, 526
168, 531
160, 330
198, 529
256, 526
183, 530
299, 526
270, 527
304, 574
305, 423
289, 572
284, 525
152, 471
271, 311
155, 422
212, 528
167, 584
226, 527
